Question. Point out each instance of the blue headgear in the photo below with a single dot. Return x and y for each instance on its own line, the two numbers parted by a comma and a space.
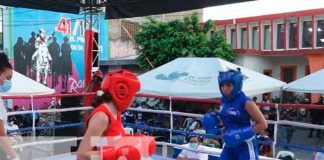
231, 76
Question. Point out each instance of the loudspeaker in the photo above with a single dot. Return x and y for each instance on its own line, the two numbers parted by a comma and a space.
70, 102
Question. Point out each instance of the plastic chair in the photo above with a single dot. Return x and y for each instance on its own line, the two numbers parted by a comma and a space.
129, 130
284, 154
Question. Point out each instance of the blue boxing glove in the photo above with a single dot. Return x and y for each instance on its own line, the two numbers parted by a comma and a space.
234, 138
210, 121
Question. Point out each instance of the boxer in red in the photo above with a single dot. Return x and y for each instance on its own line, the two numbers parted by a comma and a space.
117, 92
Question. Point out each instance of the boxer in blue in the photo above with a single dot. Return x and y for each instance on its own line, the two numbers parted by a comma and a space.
241, 118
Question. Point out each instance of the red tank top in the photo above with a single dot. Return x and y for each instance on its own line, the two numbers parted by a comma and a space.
115, 127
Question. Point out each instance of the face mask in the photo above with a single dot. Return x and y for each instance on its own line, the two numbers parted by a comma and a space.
6, 86
193, 145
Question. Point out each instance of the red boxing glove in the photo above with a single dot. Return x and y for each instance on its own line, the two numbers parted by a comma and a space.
152, 146
108, 153
128, 153
149, 144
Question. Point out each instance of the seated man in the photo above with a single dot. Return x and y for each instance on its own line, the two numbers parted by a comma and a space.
194, 143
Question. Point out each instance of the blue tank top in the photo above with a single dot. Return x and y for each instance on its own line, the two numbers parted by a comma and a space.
233, 113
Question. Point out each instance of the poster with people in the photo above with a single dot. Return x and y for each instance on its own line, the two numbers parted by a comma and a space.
48, 47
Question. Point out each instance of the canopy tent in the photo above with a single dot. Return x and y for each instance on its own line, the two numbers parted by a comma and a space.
313, 83
118, 8
22, 85
198, 78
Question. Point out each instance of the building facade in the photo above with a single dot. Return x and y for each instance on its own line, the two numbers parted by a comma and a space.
286, 45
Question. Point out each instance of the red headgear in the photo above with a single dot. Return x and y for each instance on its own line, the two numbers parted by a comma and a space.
122, 86
98, 73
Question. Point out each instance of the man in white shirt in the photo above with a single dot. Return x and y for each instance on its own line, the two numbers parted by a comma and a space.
194, 143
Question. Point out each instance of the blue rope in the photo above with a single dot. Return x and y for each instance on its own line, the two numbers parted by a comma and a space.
186, 133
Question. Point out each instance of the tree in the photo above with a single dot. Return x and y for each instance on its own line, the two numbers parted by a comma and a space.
160, 42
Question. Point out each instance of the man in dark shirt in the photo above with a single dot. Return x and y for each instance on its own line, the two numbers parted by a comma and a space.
316, 118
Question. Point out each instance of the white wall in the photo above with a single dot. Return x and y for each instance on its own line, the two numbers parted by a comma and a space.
260, 63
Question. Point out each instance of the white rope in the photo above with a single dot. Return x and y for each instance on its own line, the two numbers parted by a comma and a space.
47, 142
300, 124
51, 110
217, 152
282, 122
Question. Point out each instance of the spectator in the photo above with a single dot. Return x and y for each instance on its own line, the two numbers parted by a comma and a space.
303, 114
196, 125
287, 131
266, 100
194, 143
265, 109
318, 155
18, 119
316, 118
273, 117
255, 99
129, 117
264, 149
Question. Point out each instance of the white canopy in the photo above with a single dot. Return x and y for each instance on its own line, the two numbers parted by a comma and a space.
22, 85
198, 78
313, 83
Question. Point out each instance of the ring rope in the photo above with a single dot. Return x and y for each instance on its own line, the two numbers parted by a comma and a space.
51, 110
281, 122
48, 142
215, 153
316, 149
80, 124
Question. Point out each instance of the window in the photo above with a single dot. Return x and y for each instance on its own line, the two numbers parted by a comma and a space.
320, 34
255, 37
280, 36
292, 35
233, 38
128, 27
307, 34
267, 38
243, 38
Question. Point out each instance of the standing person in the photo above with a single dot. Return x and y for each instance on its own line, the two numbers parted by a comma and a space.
30, 50
94, 86
54, 50
316, 118
66, 63
237, 113
286, 130
5, 85
19, 55
119, 89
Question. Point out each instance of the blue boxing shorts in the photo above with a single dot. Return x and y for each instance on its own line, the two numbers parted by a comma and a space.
248, 150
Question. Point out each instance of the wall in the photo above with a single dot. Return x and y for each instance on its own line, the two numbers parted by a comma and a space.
259, 63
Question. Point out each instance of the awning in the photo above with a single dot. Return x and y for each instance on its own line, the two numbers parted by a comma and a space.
22, 85
198, 78
313, 83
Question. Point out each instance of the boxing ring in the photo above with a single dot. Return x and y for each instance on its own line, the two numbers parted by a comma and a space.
73, 157
164, 145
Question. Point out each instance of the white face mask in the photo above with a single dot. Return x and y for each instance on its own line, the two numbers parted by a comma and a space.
193, 145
